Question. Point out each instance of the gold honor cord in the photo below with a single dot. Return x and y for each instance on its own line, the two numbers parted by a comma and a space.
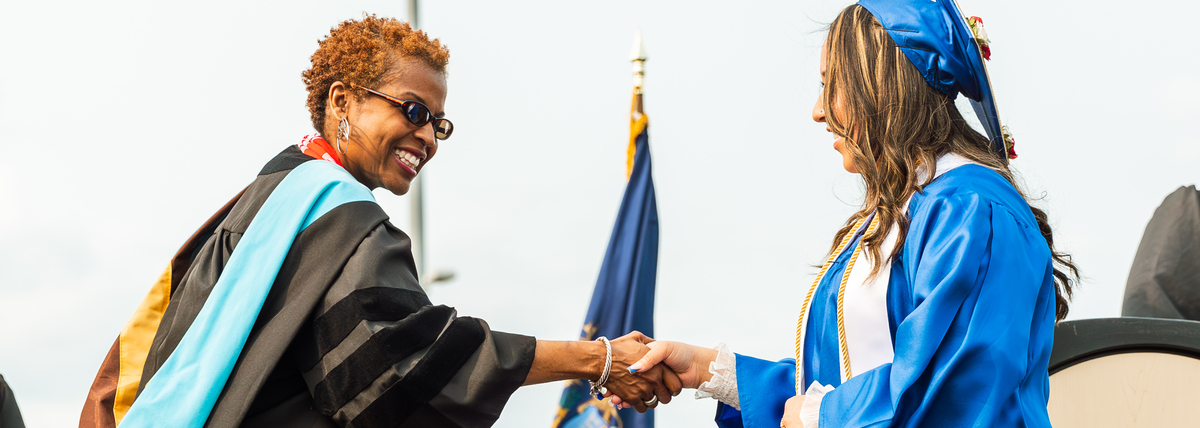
844, 348
808, 298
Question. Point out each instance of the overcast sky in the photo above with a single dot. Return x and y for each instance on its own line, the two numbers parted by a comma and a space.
126, 124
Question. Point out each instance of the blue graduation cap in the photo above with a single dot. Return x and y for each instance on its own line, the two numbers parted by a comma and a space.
940, 41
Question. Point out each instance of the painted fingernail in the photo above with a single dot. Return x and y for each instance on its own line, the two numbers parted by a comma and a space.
599, 397
633, 369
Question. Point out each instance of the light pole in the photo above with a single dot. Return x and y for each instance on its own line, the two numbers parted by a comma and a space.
416, 196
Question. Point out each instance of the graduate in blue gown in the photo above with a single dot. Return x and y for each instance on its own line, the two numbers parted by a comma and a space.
937, 304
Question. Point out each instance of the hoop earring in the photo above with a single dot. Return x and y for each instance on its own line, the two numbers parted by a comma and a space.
343, 131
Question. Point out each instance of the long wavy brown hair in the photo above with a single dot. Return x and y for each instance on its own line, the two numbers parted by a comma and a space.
892, 121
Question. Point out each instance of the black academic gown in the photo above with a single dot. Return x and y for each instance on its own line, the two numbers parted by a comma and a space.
347, 336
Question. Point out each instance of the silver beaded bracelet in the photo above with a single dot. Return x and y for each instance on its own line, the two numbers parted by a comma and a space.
598, 386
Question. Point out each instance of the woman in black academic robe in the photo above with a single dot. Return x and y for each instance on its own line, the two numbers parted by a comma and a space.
345, 336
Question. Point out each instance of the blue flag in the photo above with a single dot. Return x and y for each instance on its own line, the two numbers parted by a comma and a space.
623, 300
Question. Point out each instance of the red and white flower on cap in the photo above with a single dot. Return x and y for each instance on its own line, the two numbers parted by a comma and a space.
981, 37
1010, 143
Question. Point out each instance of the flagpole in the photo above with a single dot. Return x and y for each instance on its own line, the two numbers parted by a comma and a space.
637, 117
638, 57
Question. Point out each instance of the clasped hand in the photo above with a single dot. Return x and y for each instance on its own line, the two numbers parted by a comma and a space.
639, 388
637, 376
689, 365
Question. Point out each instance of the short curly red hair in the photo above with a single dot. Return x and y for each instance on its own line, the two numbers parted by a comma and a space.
359, 52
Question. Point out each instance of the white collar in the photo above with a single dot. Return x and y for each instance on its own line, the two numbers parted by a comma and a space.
945, 163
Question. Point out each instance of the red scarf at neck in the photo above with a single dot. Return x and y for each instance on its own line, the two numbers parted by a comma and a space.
315, 146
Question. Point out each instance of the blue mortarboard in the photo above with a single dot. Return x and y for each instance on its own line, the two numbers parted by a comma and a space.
938, 40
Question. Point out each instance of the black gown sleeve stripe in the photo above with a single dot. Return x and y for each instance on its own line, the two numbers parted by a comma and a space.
444, 359
378, 354
369, 304
456, 346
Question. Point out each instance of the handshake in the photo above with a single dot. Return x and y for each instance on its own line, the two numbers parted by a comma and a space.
636, 371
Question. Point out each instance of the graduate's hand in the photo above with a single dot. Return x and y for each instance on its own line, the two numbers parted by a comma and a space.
791, 413
689, 362
635, 388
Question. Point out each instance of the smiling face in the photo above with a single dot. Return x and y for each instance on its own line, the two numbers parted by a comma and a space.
384, 148
818, 115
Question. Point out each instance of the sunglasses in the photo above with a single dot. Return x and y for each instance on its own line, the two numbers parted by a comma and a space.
419, 114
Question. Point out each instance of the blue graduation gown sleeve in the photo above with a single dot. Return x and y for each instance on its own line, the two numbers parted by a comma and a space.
763, 388
973, 348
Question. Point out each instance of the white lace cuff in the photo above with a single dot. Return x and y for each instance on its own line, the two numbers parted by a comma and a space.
810, 412
723, 385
